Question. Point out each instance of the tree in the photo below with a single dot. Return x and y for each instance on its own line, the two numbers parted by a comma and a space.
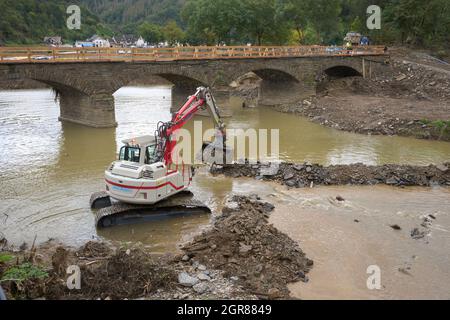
173, 33
296, 12
213, 21
264, 22
420, 22
324, 17
152, 33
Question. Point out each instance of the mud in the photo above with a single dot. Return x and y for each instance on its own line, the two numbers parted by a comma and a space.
307, 175
240, 257
258, 256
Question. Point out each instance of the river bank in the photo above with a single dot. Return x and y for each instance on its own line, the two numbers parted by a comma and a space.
231, 259
411, 99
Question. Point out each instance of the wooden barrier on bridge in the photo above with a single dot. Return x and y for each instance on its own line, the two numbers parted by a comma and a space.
64, 54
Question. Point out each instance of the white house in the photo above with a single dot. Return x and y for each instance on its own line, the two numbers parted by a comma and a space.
99, 41
140, 43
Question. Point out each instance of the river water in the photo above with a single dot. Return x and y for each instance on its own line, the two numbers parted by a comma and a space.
48, 170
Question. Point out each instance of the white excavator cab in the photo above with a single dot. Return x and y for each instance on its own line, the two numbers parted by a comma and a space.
138, 177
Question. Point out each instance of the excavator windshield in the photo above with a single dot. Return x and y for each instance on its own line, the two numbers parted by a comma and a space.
150, 155
130, 154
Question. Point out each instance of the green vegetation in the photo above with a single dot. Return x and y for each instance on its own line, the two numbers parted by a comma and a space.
126, 15
22, 272
421, 23
440, 128
4, 258
29, 21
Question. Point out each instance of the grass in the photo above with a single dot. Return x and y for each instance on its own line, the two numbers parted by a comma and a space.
22, 272
4, 258
441, 126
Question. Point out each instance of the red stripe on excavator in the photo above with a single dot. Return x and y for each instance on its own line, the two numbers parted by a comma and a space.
144, 188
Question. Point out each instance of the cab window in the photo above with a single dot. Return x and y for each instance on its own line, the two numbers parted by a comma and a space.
129, 154
150, 156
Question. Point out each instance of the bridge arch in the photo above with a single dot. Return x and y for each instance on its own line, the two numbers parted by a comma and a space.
341, 71
327, 76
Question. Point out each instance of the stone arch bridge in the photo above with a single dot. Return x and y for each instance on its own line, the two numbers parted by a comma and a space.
86, 88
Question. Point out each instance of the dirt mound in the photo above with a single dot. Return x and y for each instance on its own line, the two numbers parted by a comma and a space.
303, 175
126, 274
106, 274
251, 251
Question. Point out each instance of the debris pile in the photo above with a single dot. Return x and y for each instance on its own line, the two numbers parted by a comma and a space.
307, 174
107, 273
250, 251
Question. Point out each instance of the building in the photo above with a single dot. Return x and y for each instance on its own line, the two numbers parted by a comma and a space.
53, 41
84, 44
140, 43
99, 41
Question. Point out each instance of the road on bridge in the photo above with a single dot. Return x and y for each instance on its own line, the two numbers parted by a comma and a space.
67, 54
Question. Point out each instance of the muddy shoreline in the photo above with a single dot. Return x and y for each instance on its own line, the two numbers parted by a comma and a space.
231, 259
410, 99
308, 175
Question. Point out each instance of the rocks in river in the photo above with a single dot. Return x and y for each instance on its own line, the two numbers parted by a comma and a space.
339, 198
301, 175
416, 233
427, 222
291, 183
396, 227
288, 176
392, 181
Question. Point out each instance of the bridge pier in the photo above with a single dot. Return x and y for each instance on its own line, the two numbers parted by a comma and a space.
90, 110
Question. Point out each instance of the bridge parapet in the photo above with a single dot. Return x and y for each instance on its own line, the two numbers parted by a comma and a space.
63, 54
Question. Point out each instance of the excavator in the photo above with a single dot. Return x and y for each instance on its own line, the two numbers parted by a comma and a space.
145, 183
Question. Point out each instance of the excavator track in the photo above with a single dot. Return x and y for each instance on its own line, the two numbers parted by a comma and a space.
123, 213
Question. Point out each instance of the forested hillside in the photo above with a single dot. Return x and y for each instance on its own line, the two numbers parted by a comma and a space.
29, 21
126, 15
416, 22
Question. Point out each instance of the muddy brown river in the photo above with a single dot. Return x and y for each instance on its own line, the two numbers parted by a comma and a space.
48, 170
